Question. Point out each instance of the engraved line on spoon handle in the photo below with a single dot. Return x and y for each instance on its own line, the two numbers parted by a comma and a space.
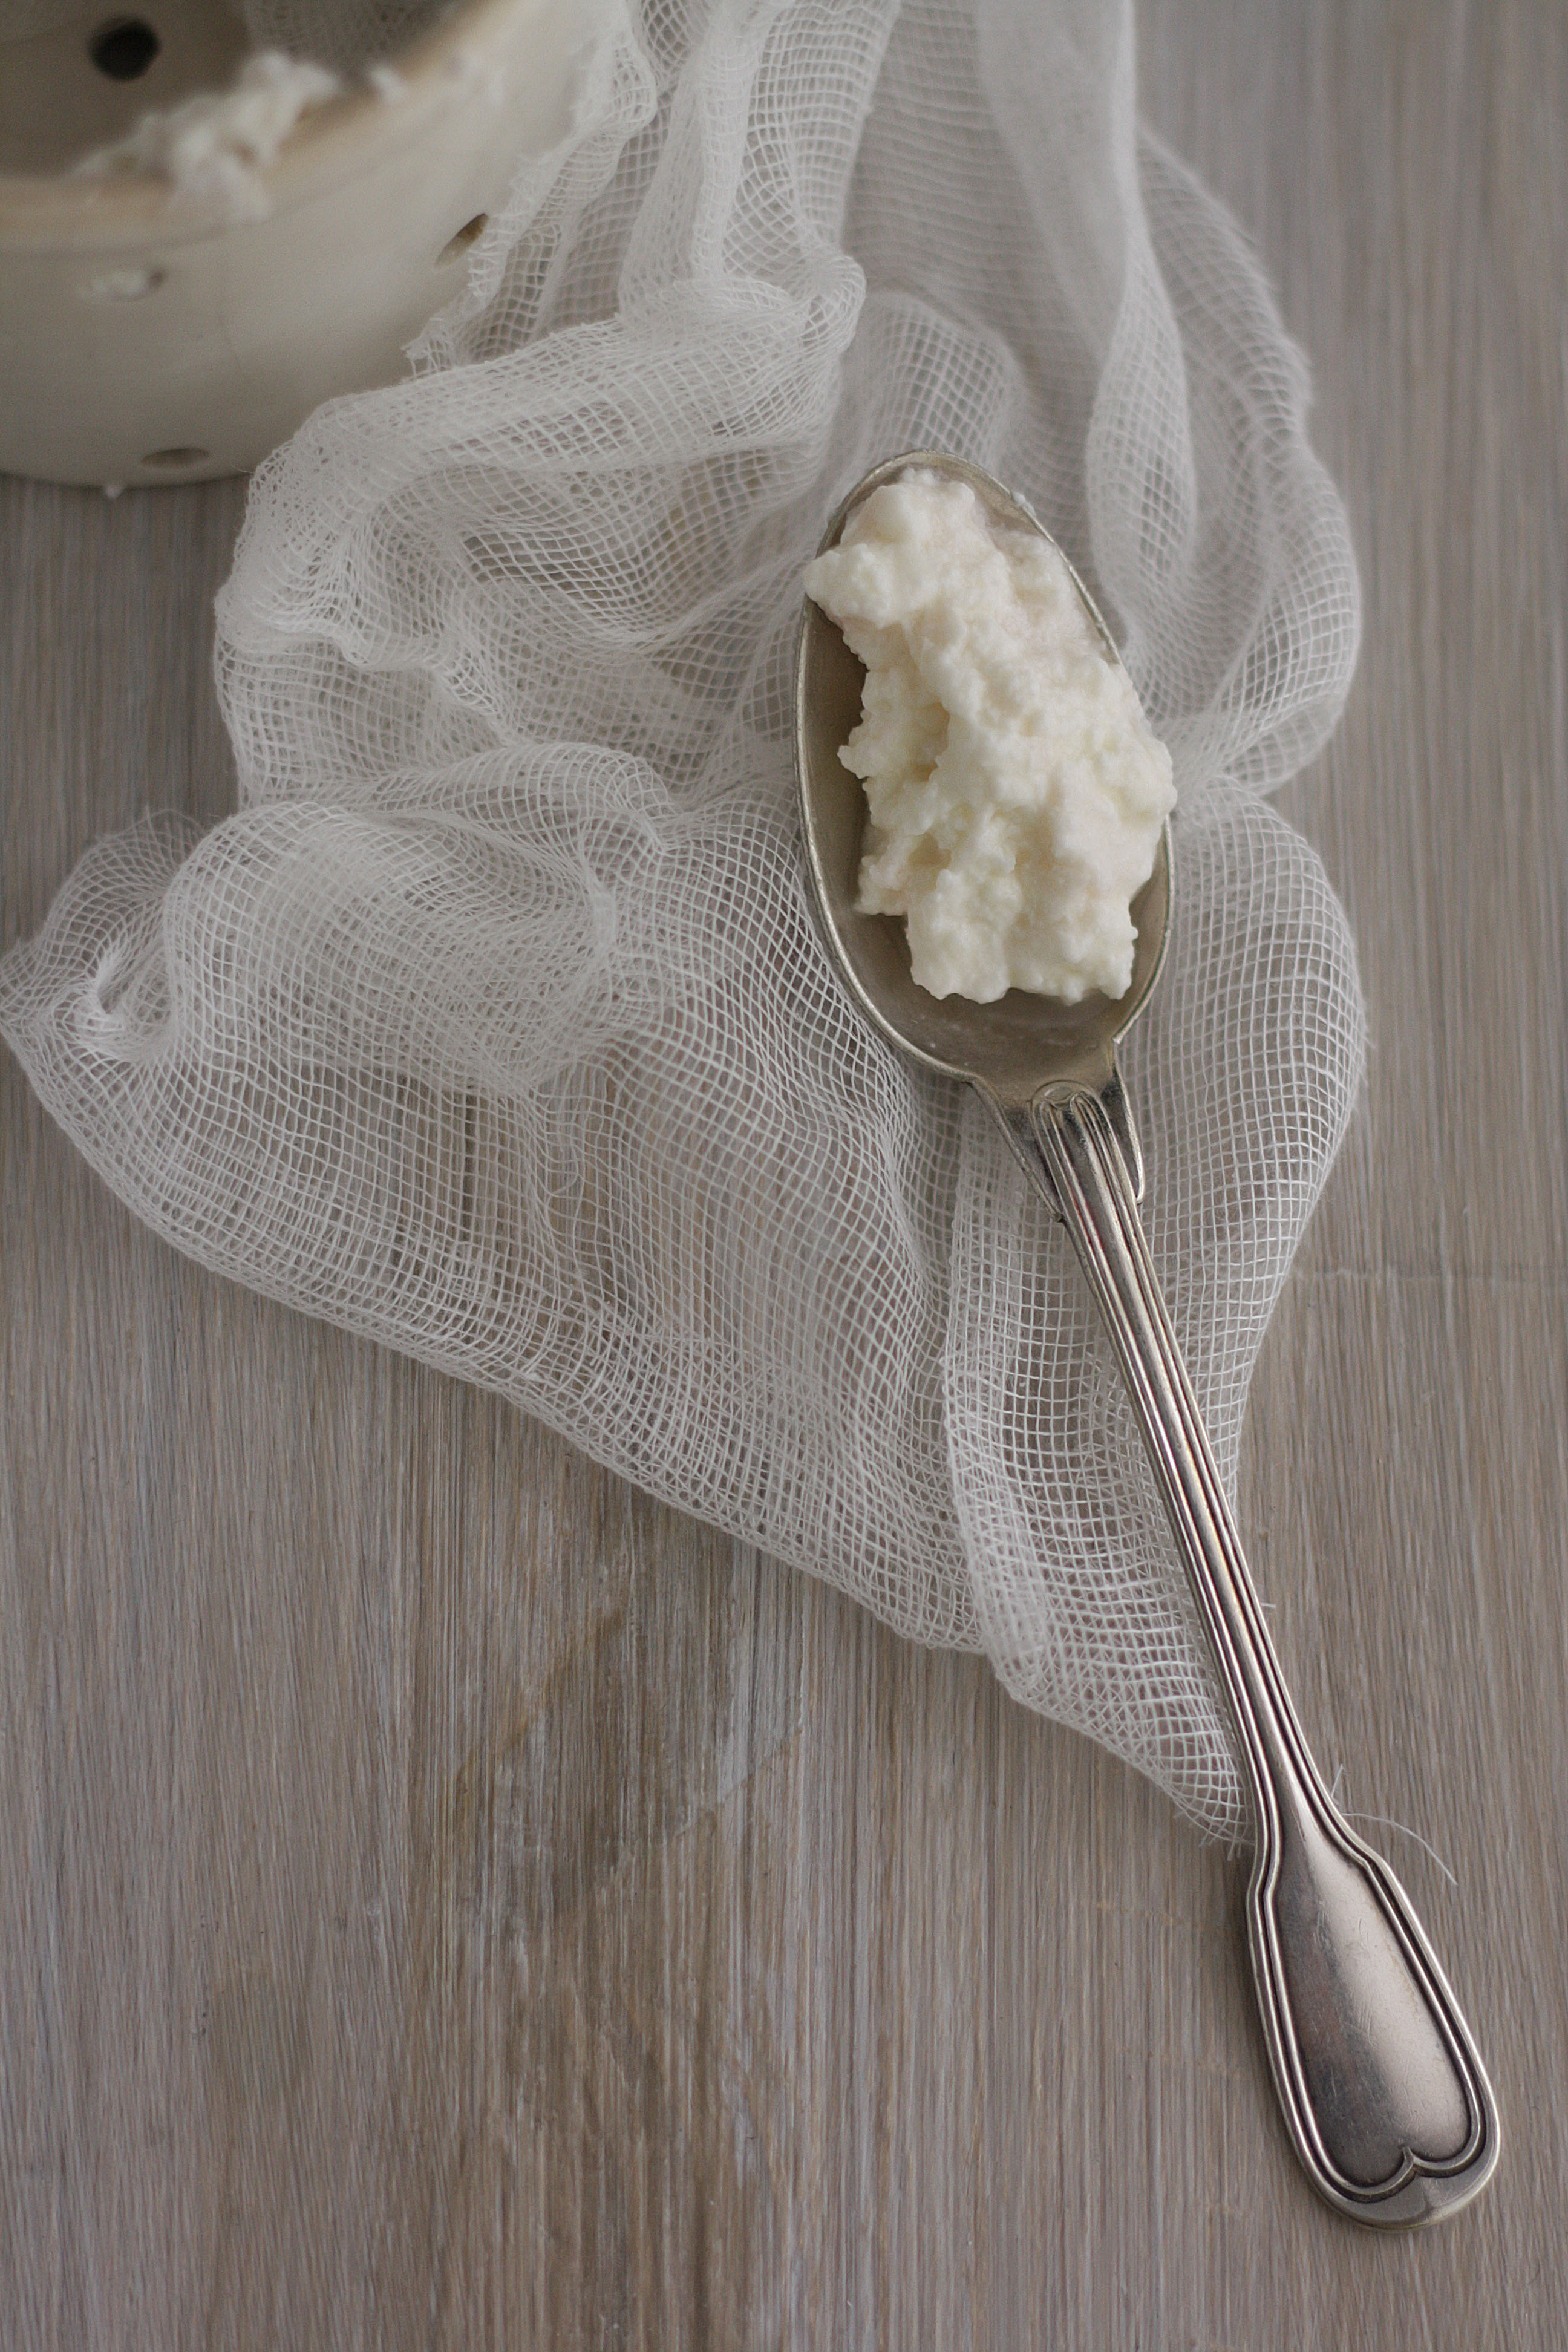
1383, 2093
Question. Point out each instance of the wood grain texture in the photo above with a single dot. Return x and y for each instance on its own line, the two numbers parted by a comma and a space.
447, 1900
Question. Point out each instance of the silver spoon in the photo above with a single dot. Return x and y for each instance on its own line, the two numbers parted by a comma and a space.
1384, 2095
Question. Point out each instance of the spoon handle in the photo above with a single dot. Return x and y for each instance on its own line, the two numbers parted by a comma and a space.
1384, 2095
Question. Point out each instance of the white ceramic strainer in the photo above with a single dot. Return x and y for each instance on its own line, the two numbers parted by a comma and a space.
172, 316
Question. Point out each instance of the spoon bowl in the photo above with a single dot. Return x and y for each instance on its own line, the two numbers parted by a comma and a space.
1014, 1045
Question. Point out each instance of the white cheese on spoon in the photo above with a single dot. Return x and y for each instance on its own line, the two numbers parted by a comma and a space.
1016, 792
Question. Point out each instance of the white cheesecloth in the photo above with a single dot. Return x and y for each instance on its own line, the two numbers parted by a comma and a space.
493, 1023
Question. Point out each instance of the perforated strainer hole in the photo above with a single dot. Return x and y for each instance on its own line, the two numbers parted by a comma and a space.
124, 48
469, 234
124, 285
172, 457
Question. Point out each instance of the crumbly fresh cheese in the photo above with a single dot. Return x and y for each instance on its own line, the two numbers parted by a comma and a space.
221, 142
1016, 792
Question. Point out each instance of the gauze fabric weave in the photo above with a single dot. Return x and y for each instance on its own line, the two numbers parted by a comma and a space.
493, 1023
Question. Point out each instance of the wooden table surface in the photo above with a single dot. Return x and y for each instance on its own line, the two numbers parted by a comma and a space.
447, 1900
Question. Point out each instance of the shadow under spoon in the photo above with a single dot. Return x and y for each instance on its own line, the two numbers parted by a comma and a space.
1384, 2092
